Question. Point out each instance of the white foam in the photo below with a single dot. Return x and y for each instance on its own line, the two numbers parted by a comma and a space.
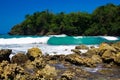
46, 49
83, 51
61, 35
57, 50
77, 37
110, 37
26, 40
91, 69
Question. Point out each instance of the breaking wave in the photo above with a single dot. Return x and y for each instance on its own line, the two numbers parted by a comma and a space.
57, 40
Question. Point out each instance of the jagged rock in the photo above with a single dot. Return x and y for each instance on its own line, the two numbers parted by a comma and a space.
75, 59
117, 44
108, 56
57, 57
91, 52
19, 58
32, 66
96, 58
67, 75
47, 72
29, 67
4, 54
91, 47
21, 77
77, 51
34, 53
92, 61
81, 47
9, 71
84, 61
4, 63
104, 46
39, 63
117, 58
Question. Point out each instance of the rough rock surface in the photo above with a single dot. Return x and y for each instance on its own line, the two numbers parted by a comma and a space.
67, 75
10, 71
34, 53
19, 58
81, 47
117, 58
4, 54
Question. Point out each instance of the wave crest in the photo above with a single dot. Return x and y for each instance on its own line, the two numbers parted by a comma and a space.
110, 38
26, 40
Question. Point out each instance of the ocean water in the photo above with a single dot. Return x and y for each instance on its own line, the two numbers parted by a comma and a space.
52, 44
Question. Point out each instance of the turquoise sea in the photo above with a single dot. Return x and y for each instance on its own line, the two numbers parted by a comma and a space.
52, 44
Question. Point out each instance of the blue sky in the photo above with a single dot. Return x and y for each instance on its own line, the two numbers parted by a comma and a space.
13, 12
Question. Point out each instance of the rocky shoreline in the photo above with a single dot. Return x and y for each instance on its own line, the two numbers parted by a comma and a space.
102, 63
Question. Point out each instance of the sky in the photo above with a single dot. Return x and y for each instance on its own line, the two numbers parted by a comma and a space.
13, 12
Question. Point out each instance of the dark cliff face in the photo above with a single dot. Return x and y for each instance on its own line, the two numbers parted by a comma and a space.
105, 20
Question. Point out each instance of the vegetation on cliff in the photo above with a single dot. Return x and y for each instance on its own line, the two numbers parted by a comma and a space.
105, 20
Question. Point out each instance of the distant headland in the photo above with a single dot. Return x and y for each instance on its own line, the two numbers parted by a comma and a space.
105, 20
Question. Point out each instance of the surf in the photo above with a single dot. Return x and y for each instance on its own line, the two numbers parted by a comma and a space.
24, 40
56, 40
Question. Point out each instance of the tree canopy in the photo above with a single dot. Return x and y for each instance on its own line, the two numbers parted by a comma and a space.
105, 20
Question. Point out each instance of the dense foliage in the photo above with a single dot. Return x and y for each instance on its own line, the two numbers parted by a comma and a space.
105, 20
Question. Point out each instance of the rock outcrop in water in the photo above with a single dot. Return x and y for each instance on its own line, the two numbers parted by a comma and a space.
96, 64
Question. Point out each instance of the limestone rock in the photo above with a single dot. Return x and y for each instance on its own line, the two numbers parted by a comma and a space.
81, 47
117, 44
19, 58
67, 75
96, 58
84, 61
47, 72
39, 63
91, 52
4, 54
57, 57
77, 51
34, 53
108, 56
92, 61
117, 58
75, 59
104, 46
9, 71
